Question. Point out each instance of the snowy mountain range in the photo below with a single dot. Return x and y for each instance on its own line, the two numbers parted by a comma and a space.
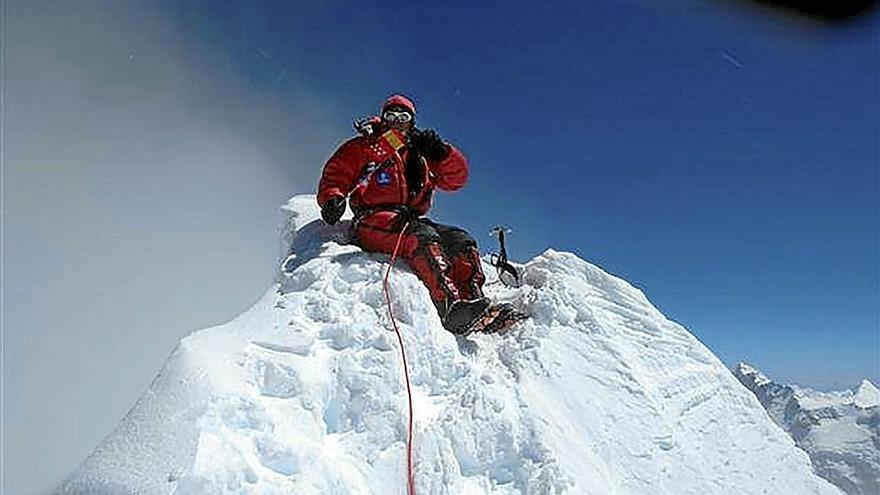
839, 430
597, 393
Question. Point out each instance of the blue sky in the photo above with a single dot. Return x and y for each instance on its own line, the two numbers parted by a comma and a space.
725, 161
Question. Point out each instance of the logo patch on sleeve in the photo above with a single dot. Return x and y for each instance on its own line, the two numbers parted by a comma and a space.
383, 178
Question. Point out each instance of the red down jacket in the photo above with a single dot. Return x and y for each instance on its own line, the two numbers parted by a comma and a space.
371, 171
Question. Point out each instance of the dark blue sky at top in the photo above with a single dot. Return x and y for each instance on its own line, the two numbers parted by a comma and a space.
724, 161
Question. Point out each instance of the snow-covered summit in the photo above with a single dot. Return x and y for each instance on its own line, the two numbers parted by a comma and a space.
866, 395
753, 373
598, 393
839, 430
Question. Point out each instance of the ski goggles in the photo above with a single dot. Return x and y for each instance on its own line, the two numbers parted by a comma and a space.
397, 116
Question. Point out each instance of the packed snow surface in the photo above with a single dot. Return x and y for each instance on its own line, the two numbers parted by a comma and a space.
839, 430
598, 393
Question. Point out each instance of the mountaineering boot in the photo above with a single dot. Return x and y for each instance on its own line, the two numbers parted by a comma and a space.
462, 314
497, 318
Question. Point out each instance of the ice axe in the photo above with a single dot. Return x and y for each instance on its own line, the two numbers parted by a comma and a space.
500, 260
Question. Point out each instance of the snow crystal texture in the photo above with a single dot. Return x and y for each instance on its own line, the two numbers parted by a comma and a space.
598, 393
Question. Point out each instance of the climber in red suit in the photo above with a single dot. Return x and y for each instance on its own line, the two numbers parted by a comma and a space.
389, 173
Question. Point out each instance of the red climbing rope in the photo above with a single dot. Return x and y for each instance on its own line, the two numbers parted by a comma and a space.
410, 479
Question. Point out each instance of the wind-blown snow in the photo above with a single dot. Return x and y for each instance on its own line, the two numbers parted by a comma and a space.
598, 393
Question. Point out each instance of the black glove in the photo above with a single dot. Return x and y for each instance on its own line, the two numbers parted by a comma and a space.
428, 144
333, 209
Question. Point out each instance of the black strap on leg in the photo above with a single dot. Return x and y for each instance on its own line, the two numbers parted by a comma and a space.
405, 215
500, 261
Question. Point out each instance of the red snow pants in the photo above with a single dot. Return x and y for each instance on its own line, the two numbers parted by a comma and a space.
445, 258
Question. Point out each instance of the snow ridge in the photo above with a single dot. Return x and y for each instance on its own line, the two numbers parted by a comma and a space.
598, 393
839, 430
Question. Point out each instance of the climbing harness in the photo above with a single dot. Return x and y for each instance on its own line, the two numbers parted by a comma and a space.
410, 479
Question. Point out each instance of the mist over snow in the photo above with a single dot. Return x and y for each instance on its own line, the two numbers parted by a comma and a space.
141, 173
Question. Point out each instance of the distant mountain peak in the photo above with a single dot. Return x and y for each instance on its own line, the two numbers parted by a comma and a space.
839, 430
867, 395
757, 377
